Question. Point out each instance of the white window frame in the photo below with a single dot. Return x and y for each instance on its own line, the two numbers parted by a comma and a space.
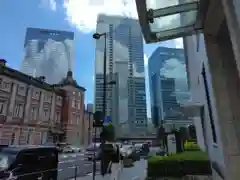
46, 113
35, 95
2, 107
73, 118
18, 110
34, 113
59, 100
5, 85
43, 137
77, 119
21, 90
58, 116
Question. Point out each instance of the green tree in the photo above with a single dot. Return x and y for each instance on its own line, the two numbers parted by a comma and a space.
109, 132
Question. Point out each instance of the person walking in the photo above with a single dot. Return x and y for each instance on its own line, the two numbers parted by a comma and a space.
116, 164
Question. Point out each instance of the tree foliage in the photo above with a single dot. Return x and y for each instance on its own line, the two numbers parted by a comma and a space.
109, 132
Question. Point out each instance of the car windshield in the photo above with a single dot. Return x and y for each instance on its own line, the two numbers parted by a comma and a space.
127, 147
5, 160
138, 145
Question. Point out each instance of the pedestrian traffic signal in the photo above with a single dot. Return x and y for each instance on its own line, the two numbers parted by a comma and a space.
98, 119
97, 123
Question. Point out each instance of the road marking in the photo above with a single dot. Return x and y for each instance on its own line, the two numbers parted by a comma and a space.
71, 155
87, 164
67, 161
136, 178
63, 156
91, 174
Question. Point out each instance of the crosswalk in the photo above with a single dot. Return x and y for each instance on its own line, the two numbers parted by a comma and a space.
71, 155
138, 172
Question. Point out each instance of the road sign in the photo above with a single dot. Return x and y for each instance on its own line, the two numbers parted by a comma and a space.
107, 120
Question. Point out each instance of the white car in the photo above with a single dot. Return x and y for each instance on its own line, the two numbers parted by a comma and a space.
127, 150
67, 149
77, 149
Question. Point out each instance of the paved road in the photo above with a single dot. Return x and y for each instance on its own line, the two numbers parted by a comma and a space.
138, 172
71, 163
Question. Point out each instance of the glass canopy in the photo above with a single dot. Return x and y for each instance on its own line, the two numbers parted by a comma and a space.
168, 19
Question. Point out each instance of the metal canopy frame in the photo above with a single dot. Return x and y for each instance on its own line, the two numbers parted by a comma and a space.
146, 17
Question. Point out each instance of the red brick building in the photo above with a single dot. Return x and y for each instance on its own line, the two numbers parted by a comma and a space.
34, 112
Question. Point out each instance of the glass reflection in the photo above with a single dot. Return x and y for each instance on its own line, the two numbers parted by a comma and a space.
174, 21
127, 99
159, 4
168, 84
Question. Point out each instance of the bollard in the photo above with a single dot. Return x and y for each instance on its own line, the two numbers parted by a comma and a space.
75, 172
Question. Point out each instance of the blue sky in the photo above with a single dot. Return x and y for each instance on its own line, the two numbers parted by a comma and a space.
78, 16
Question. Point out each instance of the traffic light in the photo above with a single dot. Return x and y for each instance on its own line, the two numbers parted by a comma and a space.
97, 123
98, 119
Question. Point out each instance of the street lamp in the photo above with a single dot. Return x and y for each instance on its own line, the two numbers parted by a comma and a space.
97, 36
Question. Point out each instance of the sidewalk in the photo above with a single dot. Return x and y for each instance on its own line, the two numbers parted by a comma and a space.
138, 172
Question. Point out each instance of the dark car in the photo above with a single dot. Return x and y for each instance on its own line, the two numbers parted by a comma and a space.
28, 163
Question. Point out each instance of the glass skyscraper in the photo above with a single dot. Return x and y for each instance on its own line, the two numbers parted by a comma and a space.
48, 53
168, 84
126, 100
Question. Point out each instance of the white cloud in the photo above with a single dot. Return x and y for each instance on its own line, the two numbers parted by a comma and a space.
83, 13
172, 68
49, 3
145, 60
178, 43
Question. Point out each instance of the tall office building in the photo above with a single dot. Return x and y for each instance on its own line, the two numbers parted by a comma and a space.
48, 53
126, 100
168, 84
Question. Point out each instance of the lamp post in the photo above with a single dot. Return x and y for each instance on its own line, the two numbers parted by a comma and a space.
97, 36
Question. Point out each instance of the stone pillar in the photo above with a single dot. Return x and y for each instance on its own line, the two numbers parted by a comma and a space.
1, 132
17, 135
12, 100
40, 112
226, 86
200, 134
53, 105
27, 103
232, 15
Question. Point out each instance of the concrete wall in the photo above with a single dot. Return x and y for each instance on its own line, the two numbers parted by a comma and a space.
196, 59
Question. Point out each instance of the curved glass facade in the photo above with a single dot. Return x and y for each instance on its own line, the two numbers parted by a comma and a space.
168, 84
48, 53
127, 99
